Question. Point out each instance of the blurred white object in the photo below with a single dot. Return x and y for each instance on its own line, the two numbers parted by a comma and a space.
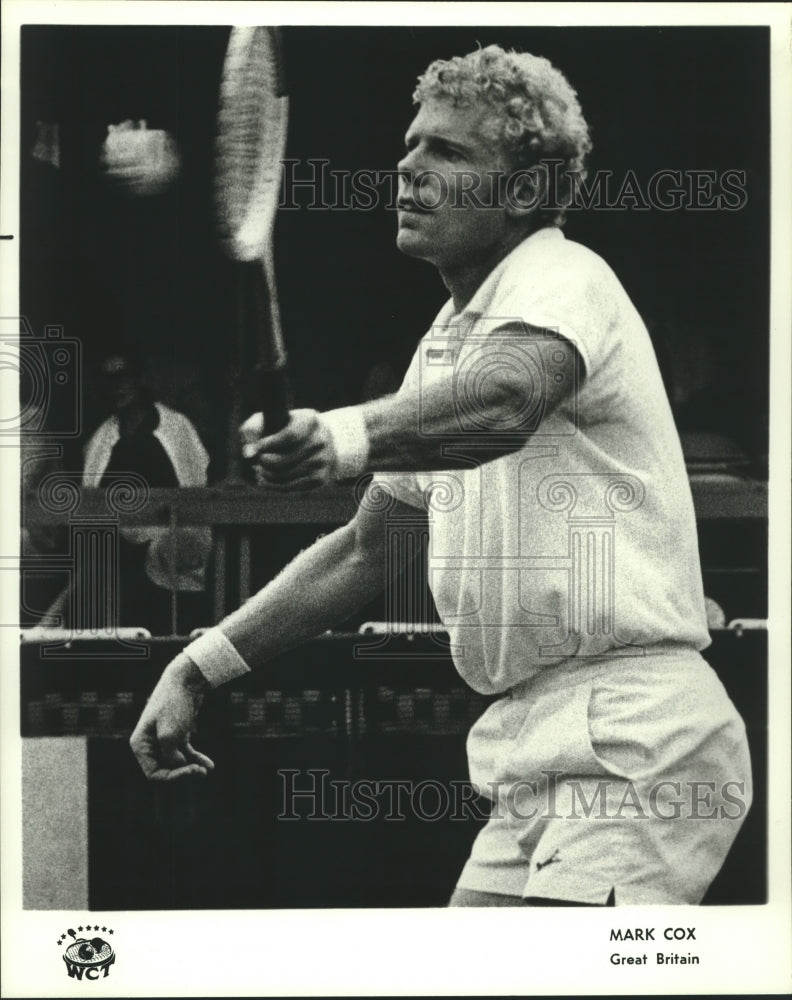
140, 161
41, 633
716, 616
740, 625
46, 148
402, 628
176, 559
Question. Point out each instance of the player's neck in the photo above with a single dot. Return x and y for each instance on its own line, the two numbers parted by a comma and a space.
464, 280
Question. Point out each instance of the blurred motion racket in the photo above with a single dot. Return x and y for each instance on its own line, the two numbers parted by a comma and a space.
251, 142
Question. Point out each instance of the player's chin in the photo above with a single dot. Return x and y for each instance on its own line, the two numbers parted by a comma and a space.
413, 244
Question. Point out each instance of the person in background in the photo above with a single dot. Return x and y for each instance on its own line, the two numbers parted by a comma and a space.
162, 447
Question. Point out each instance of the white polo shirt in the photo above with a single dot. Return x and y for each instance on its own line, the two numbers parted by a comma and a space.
582, 543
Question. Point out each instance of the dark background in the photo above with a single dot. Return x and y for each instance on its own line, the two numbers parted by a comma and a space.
150, 270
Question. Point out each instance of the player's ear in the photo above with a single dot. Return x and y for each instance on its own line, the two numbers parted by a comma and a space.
524, 191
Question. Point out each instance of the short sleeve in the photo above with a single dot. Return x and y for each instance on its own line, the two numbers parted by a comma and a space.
403, 486
571, 293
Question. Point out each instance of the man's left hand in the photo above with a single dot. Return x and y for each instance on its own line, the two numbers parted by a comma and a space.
161, 740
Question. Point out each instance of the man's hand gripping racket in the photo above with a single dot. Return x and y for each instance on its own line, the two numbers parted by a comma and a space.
309, 449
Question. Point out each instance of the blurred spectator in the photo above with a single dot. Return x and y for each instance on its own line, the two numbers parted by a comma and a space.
161, 446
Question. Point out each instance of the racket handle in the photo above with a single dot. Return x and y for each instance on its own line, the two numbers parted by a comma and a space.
274, 392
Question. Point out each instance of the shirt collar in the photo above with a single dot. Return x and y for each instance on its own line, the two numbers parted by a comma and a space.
524, 252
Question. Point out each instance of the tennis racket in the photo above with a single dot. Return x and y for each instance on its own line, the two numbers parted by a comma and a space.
251, 142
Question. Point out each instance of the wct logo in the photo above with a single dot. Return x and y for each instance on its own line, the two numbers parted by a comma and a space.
87, 957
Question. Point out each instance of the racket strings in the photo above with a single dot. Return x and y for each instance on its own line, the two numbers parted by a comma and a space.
250, 142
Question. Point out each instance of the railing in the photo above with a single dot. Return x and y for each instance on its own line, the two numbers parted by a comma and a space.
232, 513
235, 512
713, 497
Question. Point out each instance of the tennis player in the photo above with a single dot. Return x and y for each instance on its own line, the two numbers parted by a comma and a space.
533, 429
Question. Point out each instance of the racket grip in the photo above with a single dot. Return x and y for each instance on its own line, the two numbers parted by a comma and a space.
274, 392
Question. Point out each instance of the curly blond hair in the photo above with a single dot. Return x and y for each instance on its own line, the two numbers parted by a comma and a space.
537, 111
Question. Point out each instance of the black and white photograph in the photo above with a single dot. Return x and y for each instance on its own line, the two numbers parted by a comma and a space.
395, 535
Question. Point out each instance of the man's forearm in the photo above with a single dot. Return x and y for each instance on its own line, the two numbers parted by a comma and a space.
425, 428
422, 433
452, 421
321, 587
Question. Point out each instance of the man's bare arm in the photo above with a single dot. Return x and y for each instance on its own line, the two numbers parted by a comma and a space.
412, 431
324, 585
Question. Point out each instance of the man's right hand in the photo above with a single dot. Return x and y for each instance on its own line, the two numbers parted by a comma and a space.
161, 740
298, 457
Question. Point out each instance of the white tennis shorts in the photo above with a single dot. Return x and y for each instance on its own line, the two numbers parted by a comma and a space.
630, 774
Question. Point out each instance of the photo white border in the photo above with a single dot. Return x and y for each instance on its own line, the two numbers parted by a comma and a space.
414, 952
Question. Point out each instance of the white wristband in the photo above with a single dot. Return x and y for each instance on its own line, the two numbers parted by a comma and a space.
347, 429
216, 657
